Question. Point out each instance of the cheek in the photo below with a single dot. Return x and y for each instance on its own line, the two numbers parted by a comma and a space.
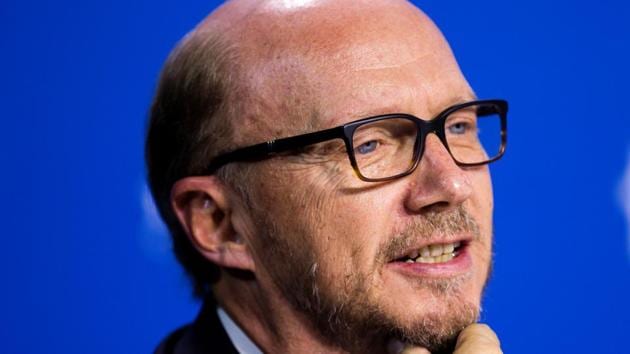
481, 202
481, 206
342, 225
345, 223
301, 209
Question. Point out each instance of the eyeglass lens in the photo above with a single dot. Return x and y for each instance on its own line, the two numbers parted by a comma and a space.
386, 148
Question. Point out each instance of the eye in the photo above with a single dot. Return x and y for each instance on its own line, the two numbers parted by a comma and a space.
367, 147
459, 128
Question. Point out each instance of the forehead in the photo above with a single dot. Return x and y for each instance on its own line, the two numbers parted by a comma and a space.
424, 85
319, 67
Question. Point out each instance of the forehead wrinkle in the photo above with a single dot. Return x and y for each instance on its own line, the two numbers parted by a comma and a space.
390, 98
384, 66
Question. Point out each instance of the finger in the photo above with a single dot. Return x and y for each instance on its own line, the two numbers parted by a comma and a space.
478, 339
397, 347
414, 350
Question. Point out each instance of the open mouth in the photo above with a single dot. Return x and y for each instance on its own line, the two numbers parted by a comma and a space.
434, 253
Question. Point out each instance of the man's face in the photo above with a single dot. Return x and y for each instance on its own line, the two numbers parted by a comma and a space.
337, 247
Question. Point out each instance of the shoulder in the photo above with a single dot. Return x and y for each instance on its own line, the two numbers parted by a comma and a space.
169, 344
205, 335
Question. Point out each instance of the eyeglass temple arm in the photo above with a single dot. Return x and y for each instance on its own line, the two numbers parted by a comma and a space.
263, 150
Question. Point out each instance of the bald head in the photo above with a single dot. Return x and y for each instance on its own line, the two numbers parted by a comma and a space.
258, 70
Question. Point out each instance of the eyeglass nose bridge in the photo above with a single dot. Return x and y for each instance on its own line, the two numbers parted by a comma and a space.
435, 126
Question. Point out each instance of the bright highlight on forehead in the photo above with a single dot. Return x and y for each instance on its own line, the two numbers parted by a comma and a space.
291, 4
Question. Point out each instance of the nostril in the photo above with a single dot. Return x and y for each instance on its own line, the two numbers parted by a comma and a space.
436, 207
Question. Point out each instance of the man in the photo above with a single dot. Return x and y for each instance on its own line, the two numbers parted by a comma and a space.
313, 210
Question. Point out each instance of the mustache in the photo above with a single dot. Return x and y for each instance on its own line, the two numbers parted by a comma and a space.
454, 221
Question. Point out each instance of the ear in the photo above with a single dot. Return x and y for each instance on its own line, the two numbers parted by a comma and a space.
202, 205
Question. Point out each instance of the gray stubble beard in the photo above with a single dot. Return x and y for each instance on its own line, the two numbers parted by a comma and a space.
346, 317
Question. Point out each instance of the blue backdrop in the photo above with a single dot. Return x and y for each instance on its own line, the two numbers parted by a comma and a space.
86, 266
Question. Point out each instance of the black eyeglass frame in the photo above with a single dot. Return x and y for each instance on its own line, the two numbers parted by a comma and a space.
346, 132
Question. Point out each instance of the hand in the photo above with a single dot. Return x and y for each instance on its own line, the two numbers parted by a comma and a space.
475, 339
397, 347
478, 338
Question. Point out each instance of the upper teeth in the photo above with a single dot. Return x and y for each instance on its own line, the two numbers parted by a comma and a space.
434, 253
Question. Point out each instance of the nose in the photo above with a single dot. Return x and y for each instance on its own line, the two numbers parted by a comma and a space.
438, 184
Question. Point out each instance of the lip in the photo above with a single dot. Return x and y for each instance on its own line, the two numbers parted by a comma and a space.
460, 264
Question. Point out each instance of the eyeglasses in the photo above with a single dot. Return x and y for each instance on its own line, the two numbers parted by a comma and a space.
390, 146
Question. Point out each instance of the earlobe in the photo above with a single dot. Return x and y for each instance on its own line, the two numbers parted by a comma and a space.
203, 209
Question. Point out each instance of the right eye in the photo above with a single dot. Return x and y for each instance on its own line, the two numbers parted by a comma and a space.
367, 147
459, 128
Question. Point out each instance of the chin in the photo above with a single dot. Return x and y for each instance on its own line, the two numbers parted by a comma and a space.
432, 317
429, 312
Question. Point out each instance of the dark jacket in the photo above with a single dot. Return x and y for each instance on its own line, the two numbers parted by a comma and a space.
204, 336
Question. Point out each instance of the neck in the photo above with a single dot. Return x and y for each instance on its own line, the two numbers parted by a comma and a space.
275, 326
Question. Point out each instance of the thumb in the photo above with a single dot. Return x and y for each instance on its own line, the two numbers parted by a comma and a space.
397, 347
414, 350
478, 338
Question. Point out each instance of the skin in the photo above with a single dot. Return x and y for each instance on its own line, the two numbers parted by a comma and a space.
312, 67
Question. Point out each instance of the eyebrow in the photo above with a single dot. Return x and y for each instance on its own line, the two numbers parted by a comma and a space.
469, 96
